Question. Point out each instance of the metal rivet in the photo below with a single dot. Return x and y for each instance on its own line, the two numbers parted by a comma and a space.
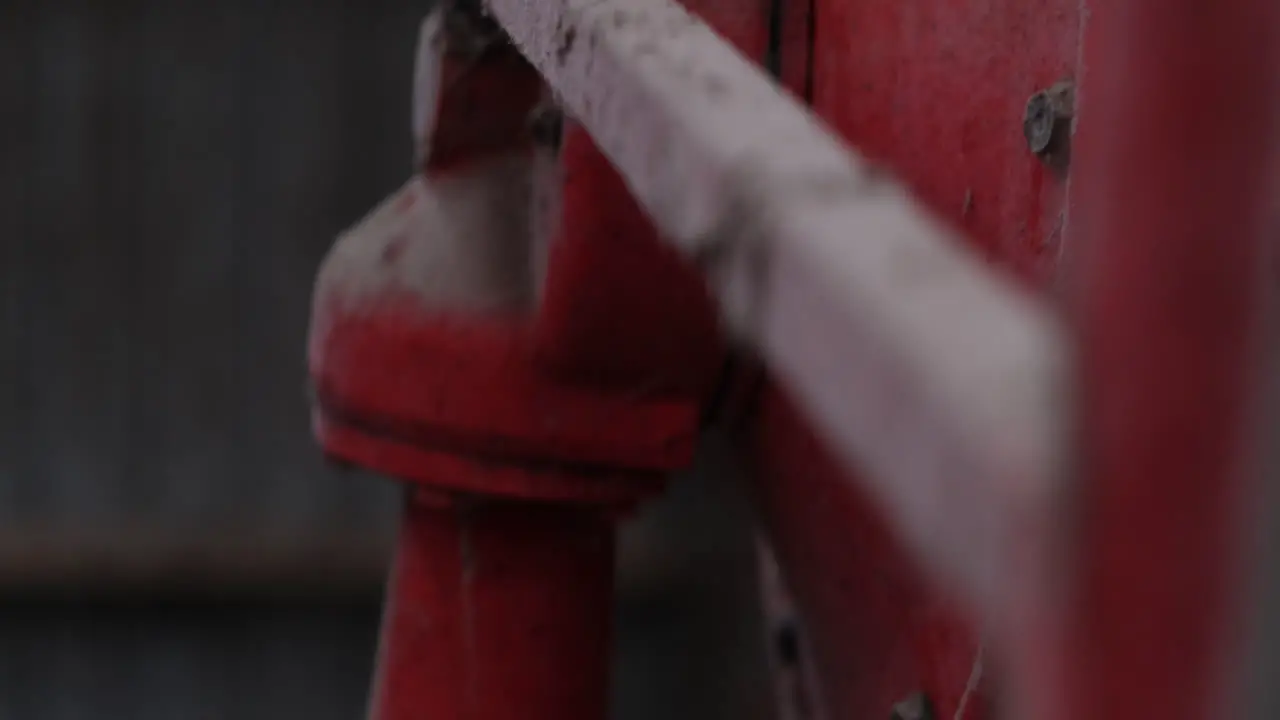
1046, 124
914, 707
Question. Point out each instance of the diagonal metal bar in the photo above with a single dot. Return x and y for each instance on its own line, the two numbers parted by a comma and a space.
925, 370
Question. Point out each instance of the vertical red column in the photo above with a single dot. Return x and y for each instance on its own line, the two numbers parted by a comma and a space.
1172, 195
497, 610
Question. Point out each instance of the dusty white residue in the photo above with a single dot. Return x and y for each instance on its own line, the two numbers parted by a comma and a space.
457, 242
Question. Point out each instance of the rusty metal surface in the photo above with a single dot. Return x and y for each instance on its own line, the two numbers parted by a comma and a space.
916, 362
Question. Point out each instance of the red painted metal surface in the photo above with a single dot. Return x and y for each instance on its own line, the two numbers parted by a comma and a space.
892, 571
528, 419
795, 48
497, 611
420, 380
503, 87
1173, 213
878, 631
424, 344
620, 308
877, 337
422, 357
936, 92
1174, 183
907, 355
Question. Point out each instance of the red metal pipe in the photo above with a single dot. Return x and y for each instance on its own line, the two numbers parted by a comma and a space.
1172, 193
527, 423
497, 610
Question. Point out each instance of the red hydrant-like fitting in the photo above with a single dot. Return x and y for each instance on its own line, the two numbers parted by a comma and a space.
527, 404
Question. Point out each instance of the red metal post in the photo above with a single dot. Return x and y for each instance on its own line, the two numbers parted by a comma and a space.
529, 406
498, 611
425, 368
1173, 216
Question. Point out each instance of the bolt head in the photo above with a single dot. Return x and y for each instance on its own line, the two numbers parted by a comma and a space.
1046, 123
1037, 124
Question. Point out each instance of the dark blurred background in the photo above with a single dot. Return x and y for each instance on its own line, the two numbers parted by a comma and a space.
171, 544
